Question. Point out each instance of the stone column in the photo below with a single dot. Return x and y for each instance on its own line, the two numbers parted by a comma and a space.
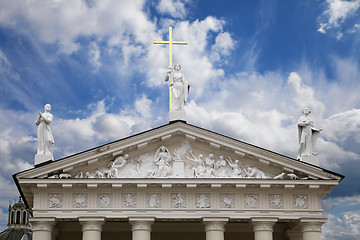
263, 227
215, 228
91, 227
311, 228
141, 227
42, 228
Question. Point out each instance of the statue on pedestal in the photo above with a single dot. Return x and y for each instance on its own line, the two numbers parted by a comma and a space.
179, 88
45, 139
307, 134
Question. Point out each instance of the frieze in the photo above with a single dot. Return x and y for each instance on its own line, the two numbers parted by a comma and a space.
129, 200
227, 200
105, 200
276, 201
301, 201
55, 200
153, 200
178, 200
180, 163
203, 200
251, 200
80, 200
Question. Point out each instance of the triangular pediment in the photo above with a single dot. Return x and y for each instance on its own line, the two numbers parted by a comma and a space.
178, 150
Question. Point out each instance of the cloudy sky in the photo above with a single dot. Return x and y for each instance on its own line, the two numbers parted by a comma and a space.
253, 66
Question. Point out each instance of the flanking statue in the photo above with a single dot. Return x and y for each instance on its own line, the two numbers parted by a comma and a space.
308, 135
45, 139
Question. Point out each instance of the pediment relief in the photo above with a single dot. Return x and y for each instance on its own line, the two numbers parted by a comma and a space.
178, 150
179, 158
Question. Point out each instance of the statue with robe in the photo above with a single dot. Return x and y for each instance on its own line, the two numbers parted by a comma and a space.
178, 86
307, 134
45, 139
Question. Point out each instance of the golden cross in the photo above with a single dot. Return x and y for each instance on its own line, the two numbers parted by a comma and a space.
170, 42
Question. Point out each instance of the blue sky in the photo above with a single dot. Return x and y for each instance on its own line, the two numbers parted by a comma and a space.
253, 66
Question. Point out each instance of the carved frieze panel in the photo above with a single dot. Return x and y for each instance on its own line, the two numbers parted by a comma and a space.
105, 200
153, 200
203, 200
55, 200
80, 200
129, 200
178, 163
300, 201
227, 200
276, 201
251, 200
178, 200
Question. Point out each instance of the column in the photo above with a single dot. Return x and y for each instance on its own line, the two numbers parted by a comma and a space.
42, 228
311, 228
263, 227
215, 228
141, 227
91, 227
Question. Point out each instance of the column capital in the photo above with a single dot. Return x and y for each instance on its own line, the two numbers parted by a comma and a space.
215, 223
263, 223
42, 224
311, 224
141, 223
91, 223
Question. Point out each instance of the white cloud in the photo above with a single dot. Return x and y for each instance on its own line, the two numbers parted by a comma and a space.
305, 95
346, 224
94, 55
6, 67
122, 30
336, 13
175, 8
62, 23
101, 127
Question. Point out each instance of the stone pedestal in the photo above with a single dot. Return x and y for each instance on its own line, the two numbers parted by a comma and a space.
263, 228
215, 228
314, 160
311, 228
179, 169
42, 158
141, 228
177, 115
91, 228
42, 228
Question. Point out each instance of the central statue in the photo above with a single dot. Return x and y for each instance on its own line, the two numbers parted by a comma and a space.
179, 88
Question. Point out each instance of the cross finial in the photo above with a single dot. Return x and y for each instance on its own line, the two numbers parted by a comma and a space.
170, 42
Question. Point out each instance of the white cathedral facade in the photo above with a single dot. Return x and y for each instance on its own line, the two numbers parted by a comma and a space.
177, 181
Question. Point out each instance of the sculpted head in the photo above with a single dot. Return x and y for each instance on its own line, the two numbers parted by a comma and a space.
211, 155
177, 67
47, 107
126, 156
163, 148
306, 111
